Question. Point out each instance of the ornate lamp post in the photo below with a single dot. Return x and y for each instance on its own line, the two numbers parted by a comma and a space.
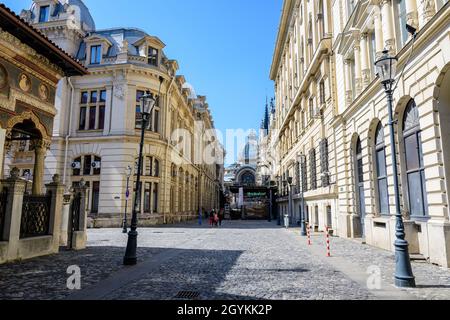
404, 278
303, 214
128, 172
147, 104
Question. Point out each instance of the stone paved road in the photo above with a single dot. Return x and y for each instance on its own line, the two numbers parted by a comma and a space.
241, 260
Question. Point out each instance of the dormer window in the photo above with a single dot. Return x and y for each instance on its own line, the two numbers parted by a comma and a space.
96, 54
44, 14
152, 56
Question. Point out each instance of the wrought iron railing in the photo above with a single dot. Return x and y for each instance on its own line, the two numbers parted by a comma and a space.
35, 216
3, 199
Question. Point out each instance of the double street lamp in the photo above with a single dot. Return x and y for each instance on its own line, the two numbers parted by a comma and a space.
387, 67
148, 102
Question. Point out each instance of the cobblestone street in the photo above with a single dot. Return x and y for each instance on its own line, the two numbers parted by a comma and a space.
241, 260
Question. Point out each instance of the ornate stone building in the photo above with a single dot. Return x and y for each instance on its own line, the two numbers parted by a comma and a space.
331, 106
302, 70
30, 68
362, 30
96, 137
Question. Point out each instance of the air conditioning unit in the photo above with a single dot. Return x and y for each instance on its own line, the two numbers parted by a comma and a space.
76, 165
96, 164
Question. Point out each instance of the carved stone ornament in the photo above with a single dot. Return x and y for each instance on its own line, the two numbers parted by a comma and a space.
24, 82
119, 92
14, 173
56, 178
3, 77
43, 92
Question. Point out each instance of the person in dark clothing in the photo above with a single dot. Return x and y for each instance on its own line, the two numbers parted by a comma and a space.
211, 218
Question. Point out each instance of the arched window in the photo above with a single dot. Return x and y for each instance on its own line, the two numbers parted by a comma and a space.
359, 180
415, 170
380, 171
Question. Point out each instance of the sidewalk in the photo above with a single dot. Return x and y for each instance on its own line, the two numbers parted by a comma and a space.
355, 259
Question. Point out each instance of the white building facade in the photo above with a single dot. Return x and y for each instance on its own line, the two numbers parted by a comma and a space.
97, 137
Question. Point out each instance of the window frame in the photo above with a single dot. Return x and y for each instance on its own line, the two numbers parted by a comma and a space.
47, 14
92, 107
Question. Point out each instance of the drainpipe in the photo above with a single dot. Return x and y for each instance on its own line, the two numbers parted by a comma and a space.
69, 81
167, 108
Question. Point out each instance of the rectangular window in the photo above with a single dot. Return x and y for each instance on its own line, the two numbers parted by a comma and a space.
92, 115
82, 125
147, 193
101, 118
84, 97
97, 169
152, 56
44, 14
103, 96
87, 165
401, 18
138, 117
322, 92
156, 121
155, 197
94, 95
96, 54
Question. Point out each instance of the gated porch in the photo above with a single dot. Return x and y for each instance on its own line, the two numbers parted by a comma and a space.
33, 225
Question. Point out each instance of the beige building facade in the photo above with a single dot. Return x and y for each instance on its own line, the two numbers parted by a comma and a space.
303, 69
355, 119
96, 137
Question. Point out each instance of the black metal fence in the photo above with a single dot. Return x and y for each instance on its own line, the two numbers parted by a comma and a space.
74, 219
3, 199
35, 216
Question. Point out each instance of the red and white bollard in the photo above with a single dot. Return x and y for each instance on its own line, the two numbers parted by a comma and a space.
308, 232
328, 241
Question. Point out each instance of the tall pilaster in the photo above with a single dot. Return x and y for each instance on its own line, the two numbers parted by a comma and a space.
379, 38
365, 68
426, 11
388, 26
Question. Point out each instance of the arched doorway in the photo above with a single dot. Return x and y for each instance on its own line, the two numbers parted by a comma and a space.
26, 145
359, 186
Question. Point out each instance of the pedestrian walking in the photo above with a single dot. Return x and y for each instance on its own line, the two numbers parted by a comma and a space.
211, 218
216, 219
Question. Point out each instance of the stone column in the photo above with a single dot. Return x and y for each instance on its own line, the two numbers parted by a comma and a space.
379, 37
65, 219
40, 150
79, 238
427, 11
412, 17
365, 68
2, 150
388, 26
11, 233
56, 189
348, 86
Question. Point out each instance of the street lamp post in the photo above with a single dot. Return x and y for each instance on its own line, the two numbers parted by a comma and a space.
288, 183
128, 172
404, 278
303, 214
147, 104
278, 206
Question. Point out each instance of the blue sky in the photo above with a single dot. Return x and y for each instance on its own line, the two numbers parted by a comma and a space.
224, 47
